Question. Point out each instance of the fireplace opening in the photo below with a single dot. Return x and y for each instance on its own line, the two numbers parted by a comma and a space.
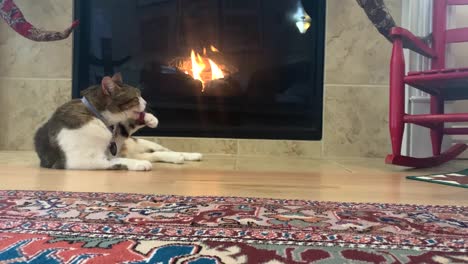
211, 68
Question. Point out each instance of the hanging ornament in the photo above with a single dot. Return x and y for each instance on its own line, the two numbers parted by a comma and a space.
302, 19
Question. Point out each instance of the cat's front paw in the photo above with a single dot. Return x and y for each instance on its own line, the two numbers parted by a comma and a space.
193, 156
150, 120
140, 165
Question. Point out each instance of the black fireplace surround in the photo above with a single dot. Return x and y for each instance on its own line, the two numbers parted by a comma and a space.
210, 68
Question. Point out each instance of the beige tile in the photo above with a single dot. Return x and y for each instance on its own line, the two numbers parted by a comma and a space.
356, 121
25, 58
283, 148
176, 144
24, 105
355, 52
215, 146
24, 158
202, 145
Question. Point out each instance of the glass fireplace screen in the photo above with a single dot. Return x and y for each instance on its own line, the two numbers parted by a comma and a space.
211, 68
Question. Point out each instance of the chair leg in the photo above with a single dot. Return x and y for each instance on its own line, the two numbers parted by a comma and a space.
437, 133
397, 126
397, 97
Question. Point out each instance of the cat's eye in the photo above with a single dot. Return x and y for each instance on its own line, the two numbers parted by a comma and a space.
129, 104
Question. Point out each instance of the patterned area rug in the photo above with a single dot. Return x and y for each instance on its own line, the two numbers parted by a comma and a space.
458, 179
59, 227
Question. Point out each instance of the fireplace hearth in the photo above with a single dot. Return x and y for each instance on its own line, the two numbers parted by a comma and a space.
211, 68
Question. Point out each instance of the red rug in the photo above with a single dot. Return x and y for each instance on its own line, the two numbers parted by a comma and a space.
59, 227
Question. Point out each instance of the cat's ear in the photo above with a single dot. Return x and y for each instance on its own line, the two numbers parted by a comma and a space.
107, 85
117, 78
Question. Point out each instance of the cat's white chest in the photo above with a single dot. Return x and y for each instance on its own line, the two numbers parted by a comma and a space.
91, 141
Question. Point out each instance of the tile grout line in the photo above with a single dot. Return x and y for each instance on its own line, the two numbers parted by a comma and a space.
35, 79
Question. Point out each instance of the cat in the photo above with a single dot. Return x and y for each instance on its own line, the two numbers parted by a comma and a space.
95, 133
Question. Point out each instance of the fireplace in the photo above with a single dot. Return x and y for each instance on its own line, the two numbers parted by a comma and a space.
211, 68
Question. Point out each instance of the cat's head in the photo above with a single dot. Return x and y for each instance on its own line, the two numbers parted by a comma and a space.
116, 100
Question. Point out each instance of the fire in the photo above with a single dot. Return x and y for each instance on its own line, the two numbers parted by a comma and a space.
216, 72
199, 67
214, 49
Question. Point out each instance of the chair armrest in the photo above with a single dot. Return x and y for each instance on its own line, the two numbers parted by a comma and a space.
412, 42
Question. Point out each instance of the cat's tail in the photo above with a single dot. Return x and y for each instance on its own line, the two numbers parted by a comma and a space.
43, 147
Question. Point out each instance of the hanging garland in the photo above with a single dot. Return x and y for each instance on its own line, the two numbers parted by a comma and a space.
15, 19
379, 15
376, 11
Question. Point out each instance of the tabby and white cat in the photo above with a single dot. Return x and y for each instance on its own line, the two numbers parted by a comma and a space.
94, 133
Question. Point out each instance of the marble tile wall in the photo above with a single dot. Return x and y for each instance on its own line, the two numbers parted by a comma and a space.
356, 121
35, 77
22, 58
25, 104
356, 80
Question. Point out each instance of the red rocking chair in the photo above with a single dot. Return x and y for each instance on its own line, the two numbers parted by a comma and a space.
441, 83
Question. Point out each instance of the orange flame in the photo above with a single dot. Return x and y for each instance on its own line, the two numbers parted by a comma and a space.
199, 71
216, 72
214, 49
197, 66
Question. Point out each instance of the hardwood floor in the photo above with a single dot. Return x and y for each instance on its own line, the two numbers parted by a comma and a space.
351, 180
